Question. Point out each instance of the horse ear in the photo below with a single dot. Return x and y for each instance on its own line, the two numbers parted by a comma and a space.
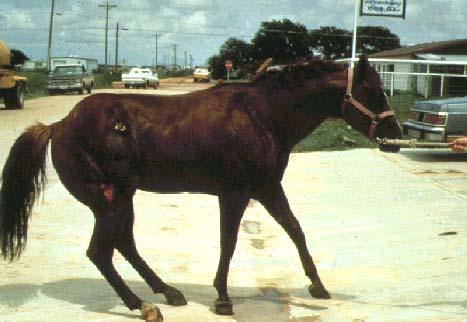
362, 68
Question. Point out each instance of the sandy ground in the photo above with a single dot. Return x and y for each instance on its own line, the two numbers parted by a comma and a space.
388, 234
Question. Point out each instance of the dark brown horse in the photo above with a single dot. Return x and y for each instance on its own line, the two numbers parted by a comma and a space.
232, 141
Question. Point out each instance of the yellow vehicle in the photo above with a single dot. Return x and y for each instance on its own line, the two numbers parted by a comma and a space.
12, 86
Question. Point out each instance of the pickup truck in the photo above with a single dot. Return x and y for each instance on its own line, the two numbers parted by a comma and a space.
70, 78
140, 77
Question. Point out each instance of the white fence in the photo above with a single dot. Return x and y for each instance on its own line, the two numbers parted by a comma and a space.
425, 77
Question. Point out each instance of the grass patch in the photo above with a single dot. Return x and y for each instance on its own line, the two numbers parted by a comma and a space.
37, 84
336, 135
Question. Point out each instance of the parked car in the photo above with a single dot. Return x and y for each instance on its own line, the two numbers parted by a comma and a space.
70, 78
201, 74
140, 77
440, 120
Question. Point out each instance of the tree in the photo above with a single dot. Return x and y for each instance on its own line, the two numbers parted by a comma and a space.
235, 50
284, 41
331, 42
334, 43
373, 39
18, 57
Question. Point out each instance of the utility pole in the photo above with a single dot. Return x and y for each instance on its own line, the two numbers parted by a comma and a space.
116, 48
184, 66
157, 35
175, 54
107, 6
49, 47
191, 61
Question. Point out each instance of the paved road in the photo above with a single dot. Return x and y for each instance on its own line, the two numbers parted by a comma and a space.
388, 233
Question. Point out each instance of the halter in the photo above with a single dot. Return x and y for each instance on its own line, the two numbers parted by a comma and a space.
349, 100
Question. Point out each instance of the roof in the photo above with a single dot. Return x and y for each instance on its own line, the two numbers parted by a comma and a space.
412, 51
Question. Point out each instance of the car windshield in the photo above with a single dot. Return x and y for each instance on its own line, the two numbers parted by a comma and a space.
66, 70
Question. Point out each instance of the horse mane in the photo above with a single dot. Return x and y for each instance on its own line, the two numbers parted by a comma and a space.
295, 75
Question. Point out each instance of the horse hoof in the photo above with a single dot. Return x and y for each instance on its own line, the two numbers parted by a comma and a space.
151, 313
224, 307
319, 292
174, 297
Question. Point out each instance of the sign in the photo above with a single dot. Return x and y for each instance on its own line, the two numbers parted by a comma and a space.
386, 8
228, 64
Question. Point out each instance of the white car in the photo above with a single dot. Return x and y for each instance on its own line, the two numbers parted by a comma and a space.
201, 74
140, 77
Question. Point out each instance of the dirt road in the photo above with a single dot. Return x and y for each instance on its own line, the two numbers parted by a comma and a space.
388, 234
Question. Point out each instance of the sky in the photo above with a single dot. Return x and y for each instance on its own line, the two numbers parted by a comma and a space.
198, 27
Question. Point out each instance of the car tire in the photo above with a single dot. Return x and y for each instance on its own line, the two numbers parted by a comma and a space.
14, 98
89, 90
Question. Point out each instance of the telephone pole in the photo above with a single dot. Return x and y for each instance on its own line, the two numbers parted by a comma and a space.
107, 6
175, 54
157, 49
49, 47
116, 48
184, 66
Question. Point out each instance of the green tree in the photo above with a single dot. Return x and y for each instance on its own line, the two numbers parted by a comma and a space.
373, 39
18, 57
283, 40
334, 43
235, 50
331, 42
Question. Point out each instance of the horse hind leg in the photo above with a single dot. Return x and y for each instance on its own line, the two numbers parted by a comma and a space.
83, 179
274, 200
101, 248
127, 247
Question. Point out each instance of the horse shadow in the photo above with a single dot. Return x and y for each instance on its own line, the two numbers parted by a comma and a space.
95, 295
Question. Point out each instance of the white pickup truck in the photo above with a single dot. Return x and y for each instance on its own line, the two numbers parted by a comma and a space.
140, 77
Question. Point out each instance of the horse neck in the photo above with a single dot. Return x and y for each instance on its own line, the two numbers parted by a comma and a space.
299, 111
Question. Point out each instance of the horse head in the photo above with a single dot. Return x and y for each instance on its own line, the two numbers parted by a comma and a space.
366, 107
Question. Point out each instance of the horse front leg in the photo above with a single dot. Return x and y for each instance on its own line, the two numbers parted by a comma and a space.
232, 205
107, 229
274, 200
127, 247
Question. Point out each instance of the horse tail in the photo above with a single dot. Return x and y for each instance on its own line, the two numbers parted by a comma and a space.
23, 179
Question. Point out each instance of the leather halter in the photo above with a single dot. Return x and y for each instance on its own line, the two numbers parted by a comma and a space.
349, 100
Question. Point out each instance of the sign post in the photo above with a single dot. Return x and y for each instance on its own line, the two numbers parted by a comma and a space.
384, 8
228, 66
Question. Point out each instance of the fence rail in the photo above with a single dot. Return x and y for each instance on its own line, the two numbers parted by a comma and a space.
426, 84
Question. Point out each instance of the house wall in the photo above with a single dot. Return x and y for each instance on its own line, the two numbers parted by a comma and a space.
401, 82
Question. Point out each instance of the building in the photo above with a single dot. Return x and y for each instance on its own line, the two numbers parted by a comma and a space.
89, 63
431, 69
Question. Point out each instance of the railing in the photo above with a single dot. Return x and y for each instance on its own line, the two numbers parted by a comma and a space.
421, 76
426, 84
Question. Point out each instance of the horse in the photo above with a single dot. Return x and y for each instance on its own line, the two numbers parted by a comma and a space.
231, 140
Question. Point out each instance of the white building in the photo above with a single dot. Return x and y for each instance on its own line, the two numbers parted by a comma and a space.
432, 69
